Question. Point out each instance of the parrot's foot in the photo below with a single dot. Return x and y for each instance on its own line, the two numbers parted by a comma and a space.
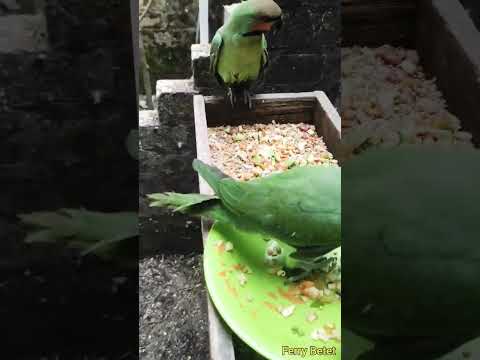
231, 97
304, 268
240, 98
247, 99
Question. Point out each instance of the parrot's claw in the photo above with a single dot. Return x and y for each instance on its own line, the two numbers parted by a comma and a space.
304, 269
235, 98
231, 97
247, 99
303, 275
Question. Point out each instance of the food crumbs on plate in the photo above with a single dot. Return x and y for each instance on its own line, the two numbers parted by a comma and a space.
286, 311
336, 335
242, 279
291, 294
220, 245
311, 317
222, 273
319, 334
305, 284
232, 290
312, 292
228, 246
243, 268
329, 326
272, 295
327, 332
270, 306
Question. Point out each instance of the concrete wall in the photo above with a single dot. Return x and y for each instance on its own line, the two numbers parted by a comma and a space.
168, 30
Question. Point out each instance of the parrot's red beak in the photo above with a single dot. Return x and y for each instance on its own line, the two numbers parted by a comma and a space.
262, 27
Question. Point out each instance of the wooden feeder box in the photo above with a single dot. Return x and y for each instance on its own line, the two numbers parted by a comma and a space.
447, 42
211, 111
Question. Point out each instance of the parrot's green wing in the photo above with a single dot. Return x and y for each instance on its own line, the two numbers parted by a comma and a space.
301, 206
413, 213
264, 60
215, 50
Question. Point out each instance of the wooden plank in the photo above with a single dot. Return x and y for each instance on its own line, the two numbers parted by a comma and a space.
281, 108
328, 122
201, 138
267, 98
448, 45
221, 346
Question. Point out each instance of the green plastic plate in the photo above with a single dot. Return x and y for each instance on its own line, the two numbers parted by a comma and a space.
250, 308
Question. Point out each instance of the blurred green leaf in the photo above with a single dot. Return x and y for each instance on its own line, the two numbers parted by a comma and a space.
89, 230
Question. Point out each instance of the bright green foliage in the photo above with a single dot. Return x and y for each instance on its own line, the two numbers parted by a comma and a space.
88, 230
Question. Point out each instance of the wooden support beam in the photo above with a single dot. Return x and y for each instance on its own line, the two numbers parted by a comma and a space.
221, 346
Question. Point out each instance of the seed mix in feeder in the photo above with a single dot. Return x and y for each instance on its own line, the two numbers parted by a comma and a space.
249, 151
387, 100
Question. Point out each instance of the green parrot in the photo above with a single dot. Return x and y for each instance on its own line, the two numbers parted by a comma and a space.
411, 250
238, 53
300, 207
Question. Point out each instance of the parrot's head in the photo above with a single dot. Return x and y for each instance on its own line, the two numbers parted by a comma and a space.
257, 17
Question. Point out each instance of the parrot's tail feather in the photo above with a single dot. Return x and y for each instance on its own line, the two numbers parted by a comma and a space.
211, 174
192, 204
183, 203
